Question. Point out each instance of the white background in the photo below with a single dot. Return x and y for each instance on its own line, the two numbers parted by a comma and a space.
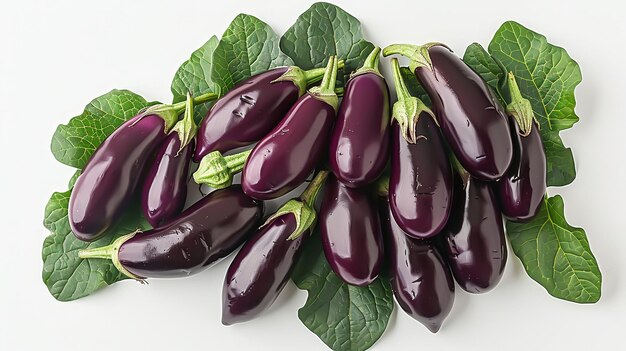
55, 56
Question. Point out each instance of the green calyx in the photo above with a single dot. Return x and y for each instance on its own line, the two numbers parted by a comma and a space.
301, 78
382, 185
407, 110
170, 112
110, 252
217, 171
302, 208
326, 90
520, 108
370, 65
417, 54
186, 128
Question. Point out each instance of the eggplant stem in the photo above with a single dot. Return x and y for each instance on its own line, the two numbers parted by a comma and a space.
417, 54
371, 64
314, 75
326, 90
110, 252
520, 108
217, 171
186, 128
309, 194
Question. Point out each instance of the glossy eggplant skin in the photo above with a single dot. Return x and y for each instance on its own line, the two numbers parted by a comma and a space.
471, 118
209, 230
261, 270
421, 180
351, 233
474, 237
288, 154
421, 280
521, 191
110, 179
360, 141
246, 113
164, 190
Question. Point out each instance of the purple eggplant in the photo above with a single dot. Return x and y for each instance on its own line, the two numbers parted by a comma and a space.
110, 179
421, 179
471, 118
474, 237
165, 188
521, 191
351, 234
360, 141
264, 264
283, 159
421, 280
209, 230
251, 109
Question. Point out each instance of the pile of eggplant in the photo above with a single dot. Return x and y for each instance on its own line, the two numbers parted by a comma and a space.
419, 192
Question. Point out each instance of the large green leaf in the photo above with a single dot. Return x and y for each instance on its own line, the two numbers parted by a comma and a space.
324, 30
67, 276
547, 76
74, 143
249, 46
194, 76
345, 317
557, 255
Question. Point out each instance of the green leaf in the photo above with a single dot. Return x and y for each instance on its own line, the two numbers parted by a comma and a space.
546, 76
345, 317
67, 276
194, 76
557, 255
249, 46
74, 143
74, 178
324, 30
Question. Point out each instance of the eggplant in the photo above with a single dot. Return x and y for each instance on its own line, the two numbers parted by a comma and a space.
261, 270
523, 188
251, 109
471, 118
264, 264
208, 231
164, 190
109, 180
111, 177
474, 237
283, 159
351, 234
359, 144
420, 279
421, 178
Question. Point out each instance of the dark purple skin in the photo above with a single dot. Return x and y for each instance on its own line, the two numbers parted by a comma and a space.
360, 142
246, 113
474, 237
521, 191
421, 180
282, 160
351, 234
209, 230
110, 179
421, 280
261, 270
165, 189
471, 118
